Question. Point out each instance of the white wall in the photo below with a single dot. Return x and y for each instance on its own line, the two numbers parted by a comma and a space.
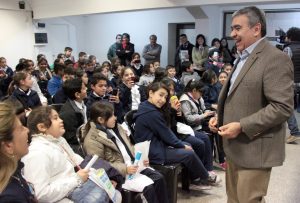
16, 35
62, 32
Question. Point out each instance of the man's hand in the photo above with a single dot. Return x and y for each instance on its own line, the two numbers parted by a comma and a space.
230, 130
212, 124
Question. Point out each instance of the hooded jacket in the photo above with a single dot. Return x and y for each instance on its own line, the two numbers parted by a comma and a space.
150, 125
193, 115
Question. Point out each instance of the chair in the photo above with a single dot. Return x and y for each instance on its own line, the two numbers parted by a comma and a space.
128, 118
80, 139
170, 171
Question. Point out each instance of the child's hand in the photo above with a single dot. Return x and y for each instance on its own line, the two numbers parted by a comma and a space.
115, 99
83, 174
132, 169
146, 163
209, 113
212, 124
114, 183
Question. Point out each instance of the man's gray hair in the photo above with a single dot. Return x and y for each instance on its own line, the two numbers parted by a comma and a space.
255, 15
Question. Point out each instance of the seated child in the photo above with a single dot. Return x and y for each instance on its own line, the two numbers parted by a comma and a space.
73, 112
171, 73
110, 142
147, 76
56, 81
188, 73
99, 93
28, 98
152, 123
50, 164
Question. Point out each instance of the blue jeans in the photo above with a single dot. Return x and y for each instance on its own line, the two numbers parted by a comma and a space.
202, 147
293, 125
89, 192
189, 159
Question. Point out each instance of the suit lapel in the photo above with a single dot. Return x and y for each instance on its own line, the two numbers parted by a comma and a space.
247, 66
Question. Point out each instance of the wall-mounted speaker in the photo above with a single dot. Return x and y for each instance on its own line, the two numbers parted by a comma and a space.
22, 4
41, 25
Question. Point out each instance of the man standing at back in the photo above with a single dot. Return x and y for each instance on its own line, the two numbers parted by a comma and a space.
111, 54
151, 52
253, 107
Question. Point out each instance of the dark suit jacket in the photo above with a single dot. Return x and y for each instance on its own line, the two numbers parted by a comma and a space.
261, 99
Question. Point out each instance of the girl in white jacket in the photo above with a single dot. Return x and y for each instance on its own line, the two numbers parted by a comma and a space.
50, 163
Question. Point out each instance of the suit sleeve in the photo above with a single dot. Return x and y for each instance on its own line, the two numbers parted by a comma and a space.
278, 91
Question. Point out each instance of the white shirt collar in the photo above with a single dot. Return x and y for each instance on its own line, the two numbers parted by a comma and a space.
80, 105
245, 53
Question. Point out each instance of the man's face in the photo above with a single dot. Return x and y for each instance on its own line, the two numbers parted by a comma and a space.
118, 39
152, 40
3, 63
243, 34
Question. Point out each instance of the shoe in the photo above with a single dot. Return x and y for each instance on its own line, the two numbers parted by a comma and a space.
197, 185
213, 179
223, 166
292, 139
200, 187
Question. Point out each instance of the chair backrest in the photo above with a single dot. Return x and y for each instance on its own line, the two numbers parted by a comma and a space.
57, 107
128, 118
80, 139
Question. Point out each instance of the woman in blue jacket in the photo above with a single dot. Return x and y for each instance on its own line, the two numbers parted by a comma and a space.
152, 123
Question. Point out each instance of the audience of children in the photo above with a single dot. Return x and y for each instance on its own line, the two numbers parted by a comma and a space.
125, 88
110, 142
198, 140
152, 123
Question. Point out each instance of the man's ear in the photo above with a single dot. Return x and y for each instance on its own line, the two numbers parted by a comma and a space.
41, 127
257, 30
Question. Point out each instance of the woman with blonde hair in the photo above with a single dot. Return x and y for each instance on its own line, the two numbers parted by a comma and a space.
13, 146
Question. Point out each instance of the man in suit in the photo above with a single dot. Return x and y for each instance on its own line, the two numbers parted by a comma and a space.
253, 107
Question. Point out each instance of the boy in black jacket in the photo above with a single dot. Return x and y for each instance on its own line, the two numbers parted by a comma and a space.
73, 112
99, 93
